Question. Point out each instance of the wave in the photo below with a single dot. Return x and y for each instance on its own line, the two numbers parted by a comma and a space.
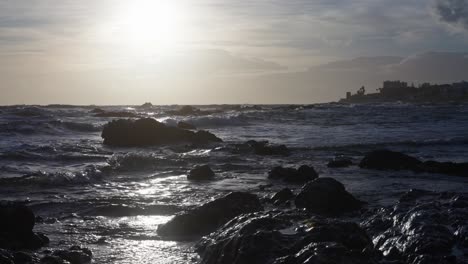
30, 127
137, 161
41, 178
212, 120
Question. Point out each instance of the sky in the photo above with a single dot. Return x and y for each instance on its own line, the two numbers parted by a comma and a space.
231, 51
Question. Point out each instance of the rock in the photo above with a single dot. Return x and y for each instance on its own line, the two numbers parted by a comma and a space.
75, 255
146, 105
390, 160
424, 227
185, 125
23, 258
340, 163
147, 132
16, 218
53, 260
97, 111
282, 196
208, 217
6, 257
291, 175
326, 196
201, 173
286, 237
16, 225
266, 149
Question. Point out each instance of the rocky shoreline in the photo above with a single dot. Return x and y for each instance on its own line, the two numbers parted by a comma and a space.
320, 221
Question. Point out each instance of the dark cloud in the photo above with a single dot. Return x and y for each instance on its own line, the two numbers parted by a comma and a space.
454, 12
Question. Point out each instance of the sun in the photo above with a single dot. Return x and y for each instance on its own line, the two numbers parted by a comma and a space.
150, 24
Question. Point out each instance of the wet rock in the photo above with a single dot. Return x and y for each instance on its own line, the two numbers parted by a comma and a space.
53, 260
75, 255
185, 125
98, 111
147, 131
282, 196
210, 216
326, 196
201, 173
390, 160
303, 174
340, 163
424, 227
24, 258
286, 237
266, 149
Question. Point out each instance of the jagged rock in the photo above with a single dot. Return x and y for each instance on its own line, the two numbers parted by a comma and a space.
286, 237
208, 217
326, 196
390, 160
424, 227
185, 125
282, 196
340, 163
147, 131
201, 173
147, 105
303, 174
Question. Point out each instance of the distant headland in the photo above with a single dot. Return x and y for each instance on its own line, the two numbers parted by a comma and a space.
393, 91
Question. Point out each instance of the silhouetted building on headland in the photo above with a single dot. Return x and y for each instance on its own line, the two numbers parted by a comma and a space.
401, 91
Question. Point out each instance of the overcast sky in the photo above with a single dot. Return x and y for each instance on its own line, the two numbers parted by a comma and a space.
209, 51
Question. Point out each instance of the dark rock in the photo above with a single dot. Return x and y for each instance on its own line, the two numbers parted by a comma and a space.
147, 132
75, 255
326, 196
147, 105
53, 260
16, 218
23, 258
97, 111
282, 196
16, 224
185, 125
286, 237
340, 163
208, 217
201, 173
390, 160
291, 175
449, 168
421, 228
266, 149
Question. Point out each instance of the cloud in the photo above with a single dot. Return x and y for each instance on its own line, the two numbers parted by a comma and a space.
453, 12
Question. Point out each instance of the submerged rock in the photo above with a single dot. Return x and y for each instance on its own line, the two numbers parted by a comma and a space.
424, 227
201, 173
326, 196
390, 160
210, 216
303, 174
287, 237
75, 255
340, 163
147, 131
267, 149
185, 125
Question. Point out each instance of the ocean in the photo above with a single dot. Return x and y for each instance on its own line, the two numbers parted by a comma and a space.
111, 199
